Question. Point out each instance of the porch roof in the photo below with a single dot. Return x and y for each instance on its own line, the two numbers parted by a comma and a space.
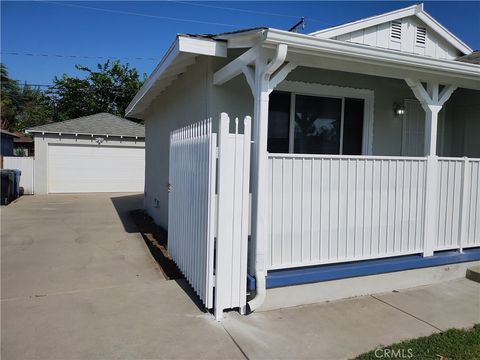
303, 50
351, 57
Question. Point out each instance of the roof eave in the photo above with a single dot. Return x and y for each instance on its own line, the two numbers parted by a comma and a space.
33, 131
318, 46
183, 44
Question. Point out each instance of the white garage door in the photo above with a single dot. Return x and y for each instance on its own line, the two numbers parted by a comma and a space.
73, 168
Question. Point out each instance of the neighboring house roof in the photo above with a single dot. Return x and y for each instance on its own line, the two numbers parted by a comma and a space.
414, 10
473, 58
8, 133
22, 138
97, 124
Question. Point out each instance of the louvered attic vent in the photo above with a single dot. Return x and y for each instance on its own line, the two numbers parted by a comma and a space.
421, 36
396, 30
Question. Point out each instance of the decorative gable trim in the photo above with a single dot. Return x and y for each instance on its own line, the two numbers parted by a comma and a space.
414, 10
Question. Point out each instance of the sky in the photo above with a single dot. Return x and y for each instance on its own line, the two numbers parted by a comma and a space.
81, 31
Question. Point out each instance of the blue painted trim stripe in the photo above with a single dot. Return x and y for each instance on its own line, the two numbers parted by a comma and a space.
312, 274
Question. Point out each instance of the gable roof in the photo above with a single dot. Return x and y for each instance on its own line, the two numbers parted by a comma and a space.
97, 124
414, 10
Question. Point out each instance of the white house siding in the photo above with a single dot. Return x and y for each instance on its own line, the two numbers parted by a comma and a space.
184, 102
380, 36
42, 142
192, 98
234, 97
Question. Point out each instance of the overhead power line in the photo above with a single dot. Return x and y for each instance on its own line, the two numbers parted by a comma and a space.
78, 56
55, 87
193, 3
122, 12
232, 9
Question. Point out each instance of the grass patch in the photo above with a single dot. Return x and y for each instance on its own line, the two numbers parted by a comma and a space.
453, 344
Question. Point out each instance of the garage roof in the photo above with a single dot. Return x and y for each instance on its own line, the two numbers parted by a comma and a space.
97, 124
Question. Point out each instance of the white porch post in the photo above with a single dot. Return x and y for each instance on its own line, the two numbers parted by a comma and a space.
259, 166
262, 82
432, 101
431, 191
261, 89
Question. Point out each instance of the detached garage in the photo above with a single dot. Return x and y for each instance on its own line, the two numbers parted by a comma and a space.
96, 153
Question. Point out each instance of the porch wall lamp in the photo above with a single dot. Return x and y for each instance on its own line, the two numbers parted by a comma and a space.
399, 109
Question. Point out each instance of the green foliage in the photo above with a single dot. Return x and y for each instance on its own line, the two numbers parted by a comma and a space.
452, 344
23, 106
109, 88
9, 98
36, 109
20, 152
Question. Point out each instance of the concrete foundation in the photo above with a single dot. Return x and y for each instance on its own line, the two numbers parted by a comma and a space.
290, 296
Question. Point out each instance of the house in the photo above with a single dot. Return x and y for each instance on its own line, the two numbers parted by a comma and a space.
95, 153
365, 156
23, 145
7, 142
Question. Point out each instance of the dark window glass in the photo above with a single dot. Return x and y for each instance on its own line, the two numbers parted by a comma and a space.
317, 125
353, 126
278, 122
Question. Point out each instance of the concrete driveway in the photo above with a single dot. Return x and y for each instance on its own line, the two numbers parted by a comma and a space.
79, 283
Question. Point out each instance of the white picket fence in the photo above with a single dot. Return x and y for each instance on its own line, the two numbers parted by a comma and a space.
208, 210
458, 221
26, 166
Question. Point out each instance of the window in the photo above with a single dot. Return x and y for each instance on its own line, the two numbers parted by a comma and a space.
278, 122
317, 125
353, 126
323, 124
396, 30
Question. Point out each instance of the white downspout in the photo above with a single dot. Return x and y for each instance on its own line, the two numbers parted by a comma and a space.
261, 91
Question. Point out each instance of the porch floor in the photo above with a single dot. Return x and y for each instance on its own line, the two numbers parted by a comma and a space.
311, 274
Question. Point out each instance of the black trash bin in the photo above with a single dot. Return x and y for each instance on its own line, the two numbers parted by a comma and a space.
7, 186
16, 183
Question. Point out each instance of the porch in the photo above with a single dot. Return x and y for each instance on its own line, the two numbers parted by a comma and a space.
354, 160
335, 208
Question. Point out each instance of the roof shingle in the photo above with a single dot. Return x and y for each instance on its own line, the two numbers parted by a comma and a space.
473, 58
97, 124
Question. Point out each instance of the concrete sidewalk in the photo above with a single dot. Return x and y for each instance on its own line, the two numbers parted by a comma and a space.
79, 283
346, 328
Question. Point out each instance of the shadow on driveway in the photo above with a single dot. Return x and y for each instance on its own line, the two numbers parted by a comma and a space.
130, 211
124, 205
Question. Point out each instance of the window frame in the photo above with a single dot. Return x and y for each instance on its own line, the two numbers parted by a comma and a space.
332, 91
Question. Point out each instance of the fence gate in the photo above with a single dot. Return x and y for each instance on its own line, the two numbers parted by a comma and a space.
26, 166
208, 210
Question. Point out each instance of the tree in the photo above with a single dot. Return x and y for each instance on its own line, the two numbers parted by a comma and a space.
37, 108
109, 88
23, 106
9, 98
